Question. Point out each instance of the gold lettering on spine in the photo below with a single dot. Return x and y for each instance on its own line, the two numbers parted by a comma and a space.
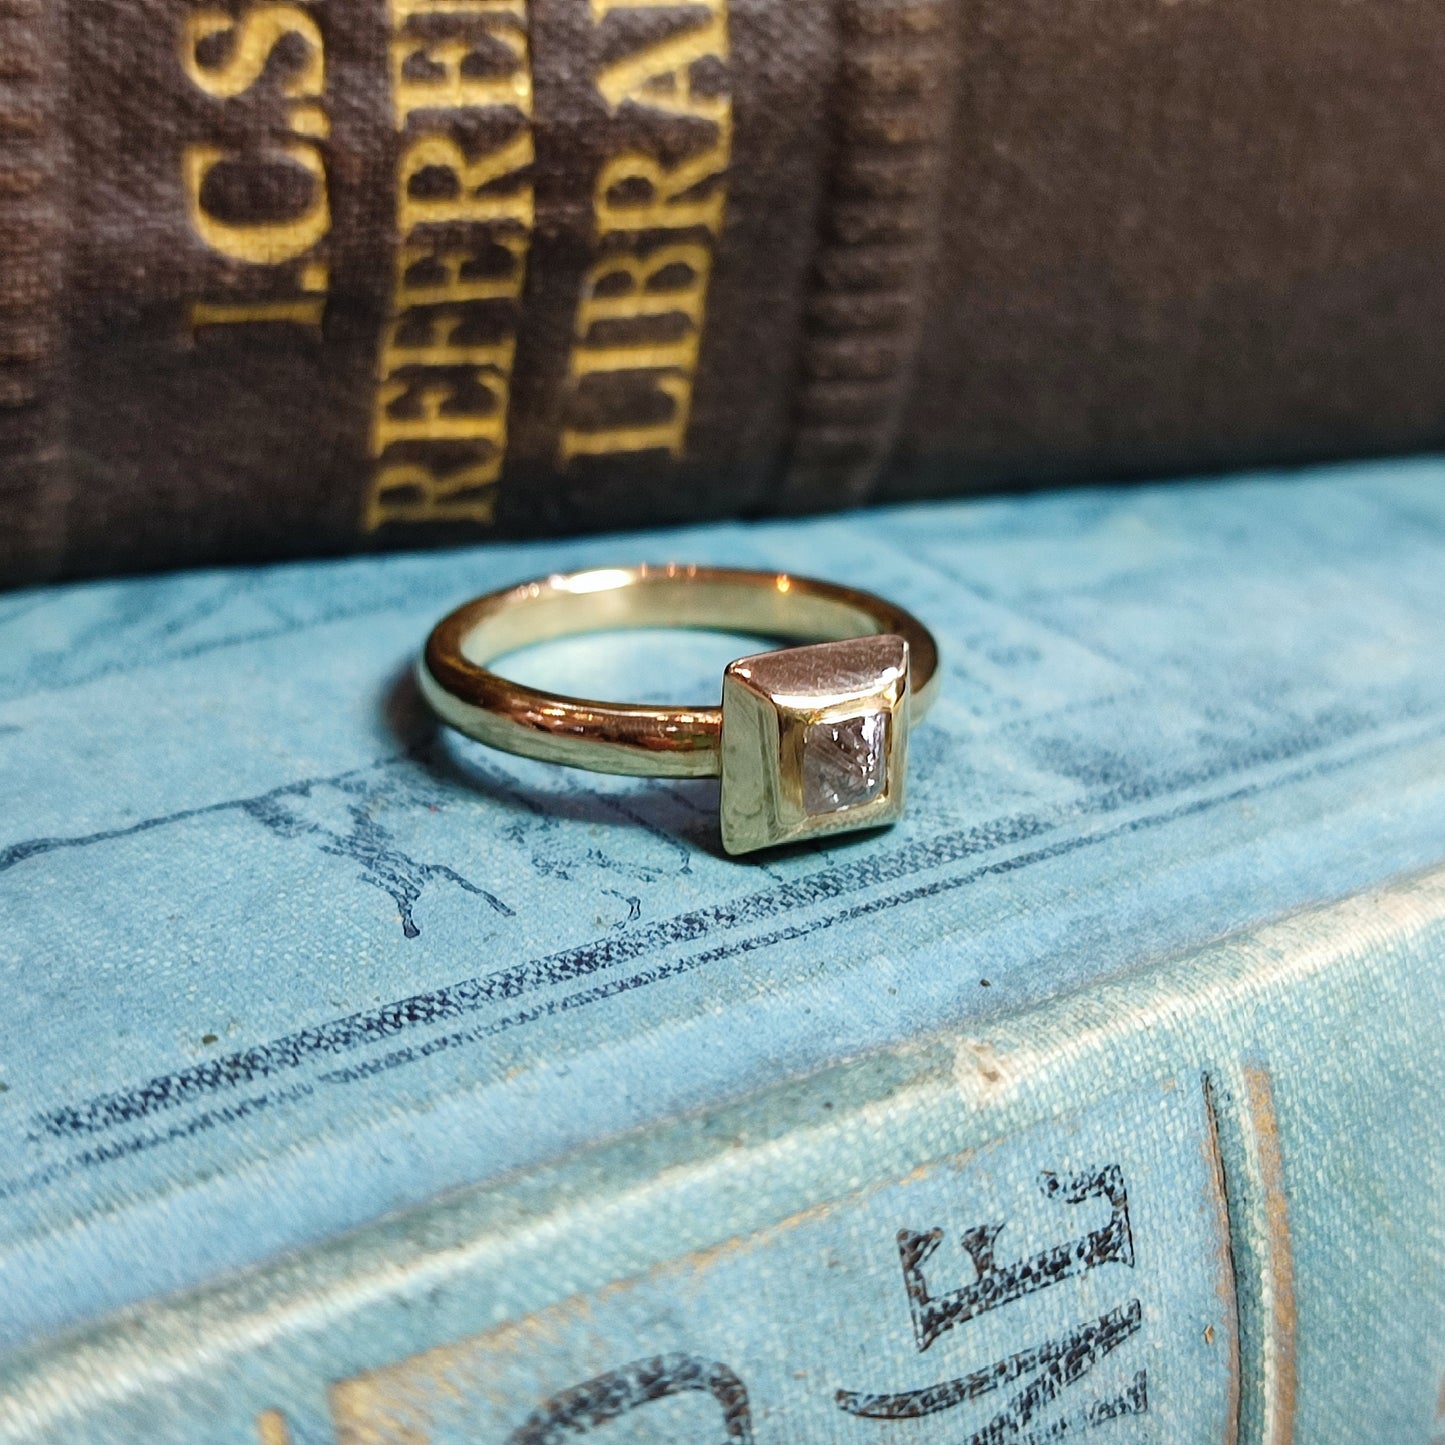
464, 213
644, 300
254, 36
469, 178
667, 436
261, 243
660, 75
642, 292
453, 89
301, 312
227, 57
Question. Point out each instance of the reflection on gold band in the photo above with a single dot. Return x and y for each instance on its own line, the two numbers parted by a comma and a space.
621, 737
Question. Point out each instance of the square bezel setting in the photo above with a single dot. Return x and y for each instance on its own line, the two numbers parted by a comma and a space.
814, 741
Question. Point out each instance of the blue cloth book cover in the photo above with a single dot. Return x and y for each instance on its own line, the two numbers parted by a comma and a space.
361, 1084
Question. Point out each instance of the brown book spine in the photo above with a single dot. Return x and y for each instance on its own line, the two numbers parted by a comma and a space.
289, 277
32, 251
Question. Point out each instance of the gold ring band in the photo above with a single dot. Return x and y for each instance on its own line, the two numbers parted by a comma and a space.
865, 653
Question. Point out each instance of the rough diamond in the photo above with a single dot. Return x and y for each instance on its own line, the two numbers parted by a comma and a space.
844, 763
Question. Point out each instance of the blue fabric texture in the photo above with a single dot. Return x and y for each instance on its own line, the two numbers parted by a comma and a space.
448, 1096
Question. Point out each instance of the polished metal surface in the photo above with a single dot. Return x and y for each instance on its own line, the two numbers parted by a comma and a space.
782, 713
621, 737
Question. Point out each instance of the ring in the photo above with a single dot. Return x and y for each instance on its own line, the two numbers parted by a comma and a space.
808, 740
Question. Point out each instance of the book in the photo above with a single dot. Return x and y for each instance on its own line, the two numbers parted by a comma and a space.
361, 1084
304, 278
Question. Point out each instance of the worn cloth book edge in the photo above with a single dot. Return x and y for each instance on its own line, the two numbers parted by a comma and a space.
1230, 1011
